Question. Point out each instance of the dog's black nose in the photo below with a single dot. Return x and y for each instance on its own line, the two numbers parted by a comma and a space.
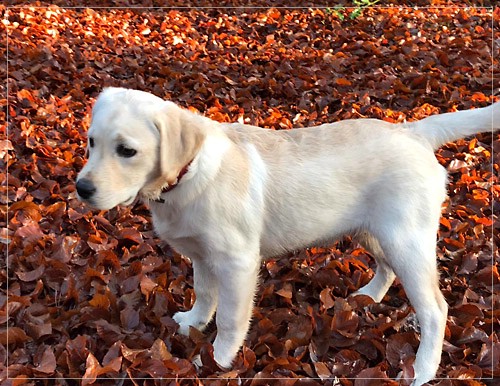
85, 188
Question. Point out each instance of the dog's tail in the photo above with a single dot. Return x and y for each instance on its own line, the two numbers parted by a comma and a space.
442, 128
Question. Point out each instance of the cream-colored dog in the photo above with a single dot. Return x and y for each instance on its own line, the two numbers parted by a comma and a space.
227, 195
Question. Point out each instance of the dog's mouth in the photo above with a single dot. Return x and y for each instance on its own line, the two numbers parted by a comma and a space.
92, 204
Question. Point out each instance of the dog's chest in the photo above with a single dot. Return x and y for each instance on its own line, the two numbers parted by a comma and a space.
179, 229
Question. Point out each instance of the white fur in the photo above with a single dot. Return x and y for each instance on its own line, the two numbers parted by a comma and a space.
251, 193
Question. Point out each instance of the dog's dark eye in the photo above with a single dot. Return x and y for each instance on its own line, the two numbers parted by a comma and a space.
126, 152
91, 142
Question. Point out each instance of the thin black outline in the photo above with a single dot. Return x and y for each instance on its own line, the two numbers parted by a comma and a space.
184, 8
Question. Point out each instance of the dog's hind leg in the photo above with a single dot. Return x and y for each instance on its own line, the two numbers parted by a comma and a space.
384, 275
413, 258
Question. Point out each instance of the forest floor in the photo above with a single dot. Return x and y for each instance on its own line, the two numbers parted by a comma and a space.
89, 294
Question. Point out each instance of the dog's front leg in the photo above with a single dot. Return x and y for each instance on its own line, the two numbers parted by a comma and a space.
205, 289
237, 284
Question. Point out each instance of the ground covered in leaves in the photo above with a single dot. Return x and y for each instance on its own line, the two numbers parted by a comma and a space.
91, 294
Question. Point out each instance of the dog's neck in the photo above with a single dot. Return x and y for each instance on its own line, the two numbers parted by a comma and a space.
201, 169
168, 188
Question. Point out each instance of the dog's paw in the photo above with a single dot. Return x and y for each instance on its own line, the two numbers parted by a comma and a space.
223, 360
188, 319
373, 294
224, 353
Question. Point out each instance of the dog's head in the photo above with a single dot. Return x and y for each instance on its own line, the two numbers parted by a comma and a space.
137, 144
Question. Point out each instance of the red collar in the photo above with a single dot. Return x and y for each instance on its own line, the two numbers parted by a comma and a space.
181, 174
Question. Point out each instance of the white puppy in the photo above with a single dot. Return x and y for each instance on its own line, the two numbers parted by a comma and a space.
226, 195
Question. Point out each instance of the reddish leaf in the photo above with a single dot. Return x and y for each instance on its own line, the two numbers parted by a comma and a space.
30, 233
147, 286
159, 351
326, 298
110, 333
47, 364
37, 330
93, 369
100, 301
286, 291
343, 82
322, 370
129, 318
13, 335
31, 275
131, 234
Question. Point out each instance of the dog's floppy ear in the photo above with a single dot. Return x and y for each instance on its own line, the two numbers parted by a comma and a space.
180, 139
181, 136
